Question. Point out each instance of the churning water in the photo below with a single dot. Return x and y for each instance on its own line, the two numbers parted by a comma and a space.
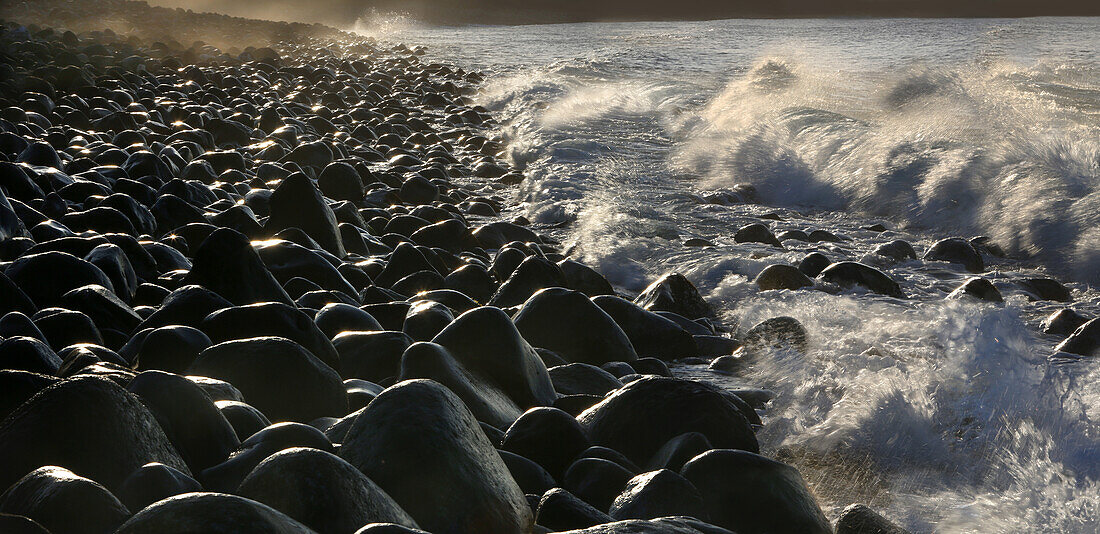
948, 416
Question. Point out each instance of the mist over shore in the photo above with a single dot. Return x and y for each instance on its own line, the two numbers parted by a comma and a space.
342, 13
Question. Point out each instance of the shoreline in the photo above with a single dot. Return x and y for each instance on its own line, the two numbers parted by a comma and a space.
358, 193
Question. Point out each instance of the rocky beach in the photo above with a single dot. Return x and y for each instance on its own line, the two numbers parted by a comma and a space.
268, 277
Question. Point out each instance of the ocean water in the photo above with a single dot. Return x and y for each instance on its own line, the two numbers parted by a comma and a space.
945, 415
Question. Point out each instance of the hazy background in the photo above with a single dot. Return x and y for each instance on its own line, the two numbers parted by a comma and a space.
346, 12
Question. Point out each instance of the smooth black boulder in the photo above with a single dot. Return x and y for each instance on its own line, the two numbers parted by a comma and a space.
1085, 341
277, 376
861, 519
215, 513
340, 181
91, 411
153, 482
560, 510
45, 277
529, 476
486, 342
651, 335
580, 277
337, 318
850, 273
656, 494
642, 416
755, 494
547, 436
776, 333
571, 325
168, 348
245, 419
226, 264
956, 250
62, 501
105, 309
228, 475
583, 379
271, 319
780, 276
679, 450
321, 491
813, 264
663, 525
371, 356
13, 299
1047, 289
673, 292
421, 445
977, 288
28, 354
17, 386
596, 481
426, 318
532, 274
1063, 322
297, 203
186, 306
197, 429
756, 233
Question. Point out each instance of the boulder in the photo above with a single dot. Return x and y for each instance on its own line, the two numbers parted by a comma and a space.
271, 319
755, 494
1085, 341
421, 445
560, 510
215, 513
1063, 322
571, 325
596, 481
673, 292
371, 356
956, 250
642, 416
17, 386
153, 482
337, 318
861, 519
116, 433
583, 379
297, 203
658, 494
321, 491
226, 264
277, 376
62, 501
651, 335
547, 436
46, 276
228, 475
168, 348
781, 276
977, 288
532, 274
849, 273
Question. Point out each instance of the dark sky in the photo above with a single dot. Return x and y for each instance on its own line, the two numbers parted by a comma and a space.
342, 12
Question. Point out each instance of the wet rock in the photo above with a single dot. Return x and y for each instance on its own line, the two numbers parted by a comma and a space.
754, 494
679, 450
977, 288
340, 181
277, 376
321, 491
104, 308
17, 386
580, 277
420, 444
674, 293
778, 333
286, 260
560, 510
186, 306
297, 203
640, 418
583, 379
1047, 289
271, 319
228, 475
211, 512
169, 348
196, 427
658, 494
651, 335
226, 264
64, 327
596, 481
371, 356
574, 327
664, 525
813, 264
860, 519
426, 319
1085, 341
530, 476
28, 354
896, 250
547, 436
473, 281
850, 273
335, 319
782, 277
45, 277
245, 419
956, 250
1063, 322
62, 501
154, 482
116, 433
13, 299
486, 342
532, 275
756, 233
